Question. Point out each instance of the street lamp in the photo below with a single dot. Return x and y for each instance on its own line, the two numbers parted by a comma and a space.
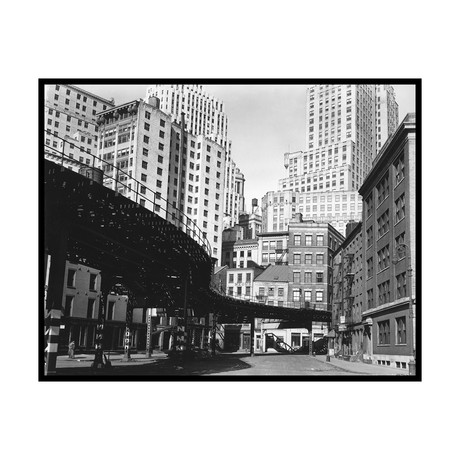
404, 248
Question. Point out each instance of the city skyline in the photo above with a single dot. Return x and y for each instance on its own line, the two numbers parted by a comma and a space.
264, 122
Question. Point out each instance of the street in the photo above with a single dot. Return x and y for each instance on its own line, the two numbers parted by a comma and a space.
225, 364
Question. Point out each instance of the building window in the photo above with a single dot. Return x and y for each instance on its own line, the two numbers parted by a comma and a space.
401, 338
383, 189
308, 277
296, 277
146, 139
93, 282
384, 292
231, 278
296, 240
401, 285
400, 210
271, 291
71, 276
383, 258
320, 277
280, 292
399, 169
68, 305
370, 299
248, 277
319, 259
384, 332
110, 310
261, 291
308, 259
319, 296
90, 311
308, 295
296, 259
296, 295
319, 240
383, 224
308, 240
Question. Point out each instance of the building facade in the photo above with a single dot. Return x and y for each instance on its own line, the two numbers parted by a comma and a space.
80, 300
176, 170
346, 125
70, 110
204, 115
352, 335
273, 248
389, 249
336, 208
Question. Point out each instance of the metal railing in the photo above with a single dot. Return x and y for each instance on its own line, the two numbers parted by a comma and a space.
259, 299
172, 214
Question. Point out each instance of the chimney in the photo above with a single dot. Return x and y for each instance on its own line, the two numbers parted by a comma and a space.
254, 204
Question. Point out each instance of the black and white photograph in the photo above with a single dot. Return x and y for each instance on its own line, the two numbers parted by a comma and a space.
229, 230
232, 229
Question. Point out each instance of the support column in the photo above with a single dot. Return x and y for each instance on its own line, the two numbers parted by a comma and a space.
185, 328
310, 340
252, 335
213, 335
262, 335
106, 281
148, 339
203, 334
128, 329
58, 252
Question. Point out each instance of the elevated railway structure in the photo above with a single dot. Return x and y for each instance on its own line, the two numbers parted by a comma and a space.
150, 251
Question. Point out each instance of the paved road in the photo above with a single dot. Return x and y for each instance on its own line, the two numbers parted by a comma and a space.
232, 364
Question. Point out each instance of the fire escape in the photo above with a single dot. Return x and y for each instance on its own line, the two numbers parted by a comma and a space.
348, 289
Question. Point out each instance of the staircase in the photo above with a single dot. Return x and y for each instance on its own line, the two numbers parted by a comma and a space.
273, 341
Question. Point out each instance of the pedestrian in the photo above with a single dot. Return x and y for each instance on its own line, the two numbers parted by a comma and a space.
72, 349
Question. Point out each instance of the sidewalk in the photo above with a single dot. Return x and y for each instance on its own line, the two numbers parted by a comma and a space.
85, 360
362, 368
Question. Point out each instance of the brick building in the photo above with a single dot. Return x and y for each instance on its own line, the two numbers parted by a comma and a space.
389, 248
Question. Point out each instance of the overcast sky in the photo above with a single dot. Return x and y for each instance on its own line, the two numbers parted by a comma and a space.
264, 122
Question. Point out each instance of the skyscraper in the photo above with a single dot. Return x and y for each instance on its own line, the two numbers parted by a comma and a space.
205, 115
176, 170
346, 125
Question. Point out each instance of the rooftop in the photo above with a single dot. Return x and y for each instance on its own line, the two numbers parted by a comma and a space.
278, 273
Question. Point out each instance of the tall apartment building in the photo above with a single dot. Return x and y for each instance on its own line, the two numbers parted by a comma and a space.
170, 164
205, 115
71, 111
346, 125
